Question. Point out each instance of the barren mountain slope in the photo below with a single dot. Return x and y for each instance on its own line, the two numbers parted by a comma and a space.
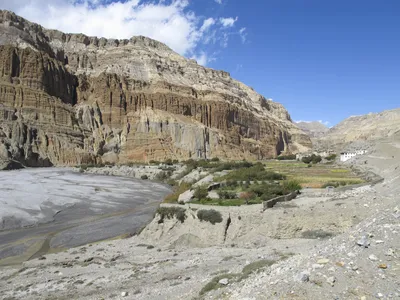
70, 98
314, 129
368, 127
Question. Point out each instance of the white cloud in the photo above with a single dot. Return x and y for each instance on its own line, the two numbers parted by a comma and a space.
228, 22
243, 34
171, 22
207, 24
218, 1
202, 59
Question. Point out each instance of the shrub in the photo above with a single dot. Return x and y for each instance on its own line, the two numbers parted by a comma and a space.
168, 162
232, 183
227, 195
144, 177
214, 283
200, 193
287, 157
255, 267
331, 183
233, 165
247, 196
162, 176
311, 159
270, 190
291, 186
215, 159
331, 157
171, 212
209, 215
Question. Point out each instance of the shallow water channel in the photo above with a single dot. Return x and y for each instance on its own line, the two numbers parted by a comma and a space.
49, 209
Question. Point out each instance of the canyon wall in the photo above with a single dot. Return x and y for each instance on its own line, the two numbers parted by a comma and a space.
68, 99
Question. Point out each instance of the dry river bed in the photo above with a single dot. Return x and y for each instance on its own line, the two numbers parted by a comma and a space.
44, 210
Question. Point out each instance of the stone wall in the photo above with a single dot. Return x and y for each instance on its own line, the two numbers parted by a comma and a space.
271, 203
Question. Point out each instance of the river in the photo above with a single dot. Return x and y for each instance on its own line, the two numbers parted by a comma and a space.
50, 209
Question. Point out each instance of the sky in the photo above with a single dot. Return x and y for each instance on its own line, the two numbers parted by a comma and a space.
323, 60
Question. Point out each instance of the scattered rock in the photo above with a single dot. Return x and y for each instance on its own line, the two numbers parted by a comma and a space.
382, 266
224, 281
390, 252
340, 264
363, 242
323, 261
373, 257
186, 196
303, 277
331, 280
124, 294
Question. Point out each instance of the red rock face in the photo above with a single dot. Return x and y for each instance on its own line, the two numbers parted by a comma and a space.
87, 101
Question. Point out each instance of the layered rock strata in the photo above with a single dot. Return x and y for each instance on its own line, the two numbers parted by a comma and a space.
69, 99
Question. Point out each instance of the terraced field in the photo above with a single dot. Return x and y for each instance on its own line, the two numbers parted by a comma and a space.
317, 176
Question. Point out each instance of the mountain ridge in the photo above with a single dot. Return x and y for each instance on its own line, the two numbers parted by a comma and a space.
314, 129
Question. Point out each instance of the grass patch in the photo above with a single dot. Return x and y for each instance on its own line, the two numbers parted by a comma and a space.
214, 283
341, 183
173, 198
249, 269
171, 212
255, 267
209, 215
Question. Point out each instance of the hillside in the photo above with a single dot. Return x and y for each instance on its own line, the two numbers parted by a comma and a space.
68, 99
314, 129
364, 128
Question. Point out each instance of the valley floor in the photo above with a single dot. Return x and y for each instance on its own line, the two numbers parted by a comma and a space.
274, 254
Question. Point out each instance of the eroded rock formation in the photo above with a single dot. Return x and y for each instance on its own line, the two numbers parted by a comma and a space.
68, 99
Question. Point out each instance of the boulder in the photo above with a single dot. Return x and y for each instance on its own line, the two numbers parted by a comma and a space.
186, 196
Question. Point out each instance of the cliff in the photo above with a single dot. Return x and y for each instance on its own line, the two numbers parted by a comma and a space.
68, 99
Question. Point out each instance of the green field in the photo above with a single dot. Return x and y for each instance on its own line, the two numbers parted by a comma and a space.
315, 176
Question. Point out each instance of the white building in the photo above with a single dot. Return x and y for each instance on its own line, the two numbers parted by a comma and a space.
344, 156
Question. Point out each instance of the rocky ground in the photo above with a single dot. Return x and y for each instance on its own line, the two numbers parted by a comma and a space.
319, 246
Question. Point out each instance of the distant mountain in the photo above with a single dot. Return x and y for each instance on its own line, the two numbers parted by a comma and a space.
372, 126
314, 129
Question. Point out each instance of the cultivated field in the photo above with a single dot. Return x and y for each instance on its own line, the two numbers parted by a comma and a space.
316, 176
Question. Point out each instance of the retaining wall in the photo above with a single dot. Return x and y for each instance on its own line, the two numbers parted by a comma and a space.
271, 203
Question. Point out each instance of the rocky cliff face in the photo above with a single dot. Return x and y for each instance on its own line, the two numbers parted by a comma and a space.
363, 128
69, 99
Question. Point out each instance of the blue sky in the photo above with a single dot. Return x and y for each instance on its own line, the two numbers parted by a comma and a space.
323, 60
